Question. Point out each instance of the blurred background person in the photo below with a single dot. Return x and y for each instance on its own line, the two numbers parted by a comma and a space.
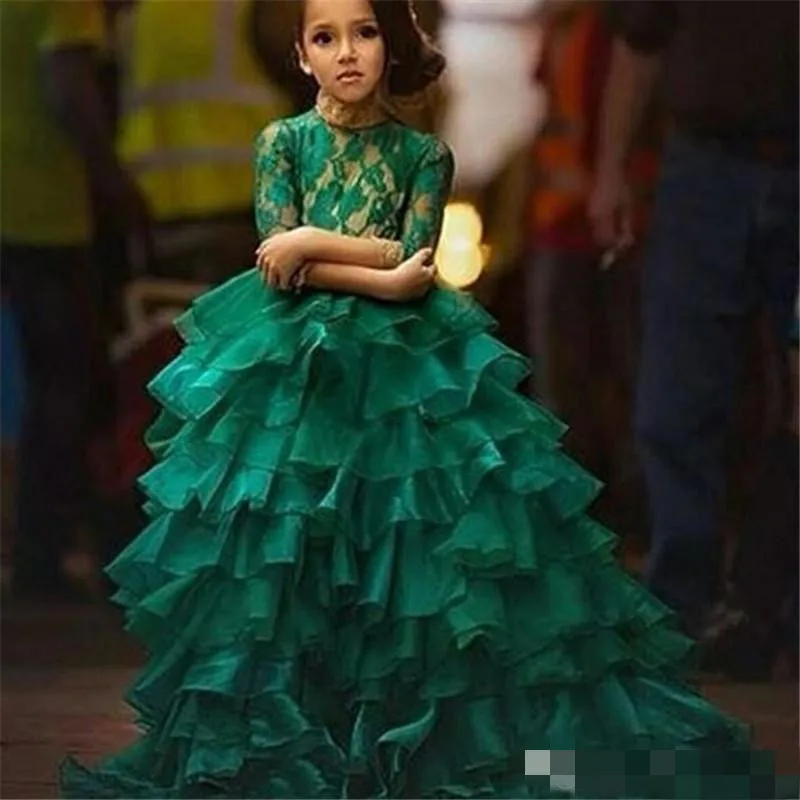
582, 314
11, 402
724, 242
195, 92
55, 143
757, 621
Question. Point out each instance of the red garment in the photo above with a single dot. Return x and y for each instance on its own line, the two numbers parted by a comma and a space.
589, 37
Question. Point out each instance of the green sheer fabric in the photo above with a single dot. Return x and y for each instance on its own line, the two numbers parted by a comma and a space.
369, 571
387, 181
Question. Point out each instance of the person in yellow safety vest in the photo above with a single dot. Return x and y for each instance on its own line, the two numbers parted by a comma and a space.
194, 98
581, 317
56, 148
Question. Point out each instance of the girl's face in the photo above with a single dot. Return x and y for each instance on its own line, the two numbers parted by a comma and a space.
342, 47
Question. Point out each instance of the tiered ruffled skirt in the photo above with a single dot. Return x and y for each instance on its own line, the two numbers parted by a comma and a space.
369, 571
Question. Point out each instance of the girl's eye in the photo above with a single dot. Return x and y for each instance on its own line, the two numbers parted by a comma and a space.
368, 32
322, 38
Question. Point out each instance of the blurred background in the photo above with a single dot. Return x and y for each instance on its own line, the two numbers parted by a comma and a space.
106, 239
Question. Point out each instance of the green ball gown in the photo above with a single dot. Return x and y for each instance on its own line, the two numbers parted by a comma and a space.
368, 569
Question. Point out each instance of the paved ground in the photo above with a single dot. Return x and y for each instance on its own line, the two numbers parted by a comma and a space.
64, 672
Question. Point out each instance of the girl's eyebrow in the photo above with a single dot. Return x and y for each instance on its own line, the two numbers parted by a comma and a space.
328, 25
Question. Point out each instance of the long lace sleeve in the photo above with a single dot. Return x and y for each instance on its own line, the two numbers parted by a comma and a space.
277, 203
423, 217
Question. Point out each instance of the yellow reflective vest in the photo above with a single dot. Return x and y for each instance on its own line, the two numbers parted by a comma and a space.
194, 100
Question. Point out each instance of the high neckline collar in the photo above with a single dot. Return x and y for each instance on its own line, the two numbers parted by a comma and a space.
351, 116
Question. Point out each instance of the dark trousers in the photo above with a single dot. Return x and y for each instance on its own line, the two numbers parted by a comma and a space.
765, 571
724, 242
51, 290
583, 337
765, 567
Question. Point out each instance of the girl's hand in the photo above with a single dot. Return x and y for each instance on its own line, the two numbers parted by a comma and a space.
280, 257
413, 278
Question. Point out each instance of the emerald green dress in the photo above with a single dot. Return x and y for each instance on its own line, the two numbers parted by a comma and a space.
368, 569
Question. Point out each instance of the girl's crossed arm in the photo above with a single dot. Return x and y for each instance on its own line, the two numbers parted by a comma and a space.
384, 269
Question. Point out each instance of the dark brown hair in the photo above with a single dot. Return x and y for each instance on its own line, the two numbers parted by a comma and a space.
413, 61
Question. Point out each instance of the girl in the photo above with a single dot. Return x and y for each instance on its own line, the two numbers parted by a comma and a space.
368, 570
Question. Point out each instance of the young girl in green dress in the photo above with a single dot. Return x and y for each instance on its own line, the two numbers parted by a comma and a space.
368, 570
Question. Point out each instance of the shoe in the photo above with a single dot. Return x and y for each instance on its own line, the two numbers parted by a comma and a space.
737, 646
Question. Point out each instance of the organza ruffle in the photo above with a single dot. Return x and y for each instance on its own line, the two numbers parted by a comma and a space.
369, 571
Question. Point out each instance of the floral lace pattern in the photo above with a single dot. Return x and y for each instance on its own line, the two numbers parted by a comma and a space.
385, 181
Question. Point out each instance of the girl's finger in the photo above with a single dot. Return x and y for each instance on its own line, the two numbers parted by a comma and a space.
287, 277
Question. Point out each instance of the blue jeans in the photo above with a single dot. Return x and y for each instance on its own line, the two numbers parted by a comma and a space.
724, 242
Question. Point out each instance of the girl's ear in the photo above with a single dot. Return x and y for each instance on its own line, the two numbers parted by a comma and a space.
302, 60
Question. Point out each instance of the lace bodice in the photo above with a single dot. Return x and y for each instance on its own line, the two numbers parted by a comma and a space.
386, 181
